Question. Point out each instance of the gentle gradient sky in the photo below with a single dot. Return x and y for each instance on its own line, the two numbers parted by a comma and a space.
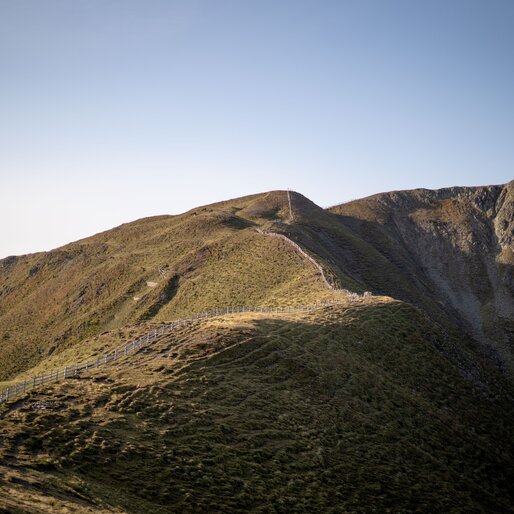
111, 110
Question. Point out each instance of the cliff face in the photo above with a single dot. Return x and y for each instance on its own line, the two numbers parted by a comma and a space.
457, 244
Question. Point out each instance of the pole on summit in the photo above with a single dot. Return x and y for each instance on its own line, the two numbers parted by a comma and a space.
290, 208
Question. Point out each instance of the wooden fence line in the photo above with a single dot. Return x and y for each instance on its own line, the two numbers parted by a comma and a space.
101, 360
313, 261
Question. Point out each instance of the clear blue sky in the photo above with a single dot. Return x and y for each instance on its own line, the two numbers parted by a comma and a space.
115, 110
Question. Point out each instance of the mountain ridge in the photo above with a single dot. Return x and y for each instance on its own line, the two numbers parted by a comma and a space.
388, 402
357, 247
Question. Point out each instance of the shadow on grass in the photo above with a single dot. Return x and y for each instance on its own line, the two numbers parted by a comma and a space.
344, 411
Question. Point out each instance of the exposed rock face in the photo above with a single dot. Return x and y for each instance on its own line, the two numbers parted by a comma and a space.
459, 243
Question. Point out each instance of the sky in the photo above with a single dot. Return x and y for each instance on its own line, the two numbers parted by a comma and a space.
113, 110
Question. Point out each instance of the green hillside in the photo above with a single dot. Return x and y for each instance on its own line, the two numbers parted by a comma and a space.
314, 412
206, 258
398, 401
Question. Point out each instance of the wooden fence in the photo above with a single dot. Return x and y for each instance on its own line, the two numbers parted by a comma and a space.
132, 346
317, 265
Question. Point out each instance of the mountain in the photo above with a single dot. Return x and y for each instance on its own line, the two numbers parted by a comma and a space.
395, 401
456, 246
155, 268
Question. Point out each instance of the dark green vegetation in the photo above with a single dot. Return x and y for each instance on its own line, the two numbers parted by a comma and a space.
315, 412
394, 403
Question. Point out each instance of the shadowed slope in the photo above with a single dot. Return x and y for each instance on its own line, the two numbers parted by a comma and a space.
456, 245
322, 411
367, 406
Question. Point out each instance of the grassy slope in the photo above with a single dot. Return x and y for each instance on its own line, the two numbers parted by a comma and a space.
324, 411
356, 262
358, 408
212, 256
208, 257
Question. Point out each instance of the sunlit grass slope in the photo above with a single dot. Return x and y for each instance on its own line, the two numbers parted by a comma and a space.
156, 268
446, 252
325, 411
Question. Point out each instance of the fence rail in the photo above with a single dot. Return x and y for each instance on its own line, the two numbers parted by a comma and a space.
101, 360
132, 346
316, 264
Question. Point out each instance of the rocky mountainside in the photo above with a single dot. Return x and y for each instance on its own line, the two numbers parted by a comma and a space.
457, 246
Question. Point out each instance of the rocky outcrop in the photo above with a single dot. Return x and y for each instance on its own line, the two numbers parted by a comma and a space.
458, 242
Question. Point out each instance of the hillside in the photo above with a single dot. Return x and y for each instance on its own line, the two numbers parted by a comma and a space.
399, 401
155, 268
457, 246
316, 412
448, 252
